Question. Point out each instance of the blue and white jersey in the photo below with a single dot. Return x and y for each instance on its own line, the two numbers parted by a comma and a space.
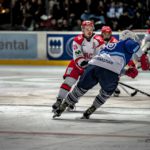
115, 56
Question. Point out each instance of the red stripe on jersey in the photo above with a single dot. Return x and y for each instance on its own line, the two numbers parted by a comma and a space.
113, 40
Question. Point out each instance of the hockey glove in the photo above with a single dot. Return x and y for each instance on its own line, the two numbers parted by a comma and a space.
131, 72
131, 63
84, 64
145, 64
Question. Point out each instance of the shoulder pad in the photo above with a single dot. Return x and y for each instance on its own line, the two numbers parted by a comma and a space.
113, 40
99, 39
79, 39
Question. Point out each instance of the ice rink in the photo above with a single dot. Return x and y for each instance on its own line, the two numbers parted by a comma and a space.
26, 96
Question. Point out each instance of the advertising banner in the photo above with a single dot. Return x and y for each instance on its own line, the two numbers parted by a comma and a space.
18, 46
59, 46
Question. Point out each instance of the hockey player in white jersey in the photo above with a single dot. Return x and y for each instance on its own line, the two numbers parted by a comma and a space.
84, 48
105, 69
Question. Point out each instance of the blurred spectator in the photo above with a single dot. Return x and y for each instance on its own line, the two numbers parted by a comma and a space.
77, 7
85, 15
111, 10
147, 24
125, 21
65, 25
60, 25
77, 26
45, 23
5, 11
68, 14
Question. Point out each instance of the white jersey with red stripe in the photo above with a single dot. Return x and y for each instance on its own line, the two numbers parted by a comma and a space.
84, 50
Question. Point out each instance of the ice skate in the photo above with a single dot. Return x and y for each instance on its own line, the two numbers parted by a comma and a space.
117, 93
71, 107
60, 110
56, 105
88, 112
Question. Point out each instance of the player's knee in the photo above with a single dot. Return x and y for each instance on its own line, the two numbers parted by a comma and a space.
68, 83
110, 88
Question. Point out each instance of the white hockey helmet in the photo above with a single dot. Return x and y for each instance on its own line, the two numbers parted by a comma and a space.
128, 34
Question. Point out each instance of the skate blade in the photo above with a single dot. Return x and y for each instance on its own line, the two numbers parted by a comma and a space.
70, 110
84, 118
54, 111
55, 115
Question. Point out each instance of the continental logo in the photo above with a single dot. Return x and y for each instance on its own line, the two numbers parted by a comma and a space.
55, 46
14, 45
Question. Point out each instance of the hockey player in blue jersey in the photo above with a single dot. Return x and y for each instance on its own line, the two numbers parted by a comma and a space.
105, 69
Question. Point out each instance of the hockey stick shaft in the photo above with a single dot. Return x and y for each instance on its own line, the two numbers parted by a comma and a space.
130, 94
134, 89
125, 90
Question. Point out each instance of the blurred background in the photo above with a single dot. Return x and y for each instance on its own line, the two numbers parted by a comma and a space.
66, 15
41, 32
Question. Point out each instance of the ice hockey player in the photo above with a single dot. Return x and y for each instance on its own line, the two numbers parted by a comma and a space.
106, 34
145, 46
84, 48
105, 69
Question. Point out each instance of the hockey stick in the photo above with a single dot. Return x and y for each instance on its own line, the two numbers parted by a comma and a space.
136, 90
130, 94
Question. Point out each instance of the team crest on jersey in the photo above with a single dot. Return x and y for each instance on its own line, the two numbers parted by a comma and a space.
111, 46
78, 52
55, 46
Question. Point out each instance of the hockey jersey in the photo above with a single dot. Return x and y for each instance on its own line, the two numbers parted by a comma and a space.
115, 56
84, 50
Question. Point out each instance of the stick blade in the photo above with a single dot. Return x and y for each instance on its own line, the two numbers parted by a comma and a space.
134, 93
